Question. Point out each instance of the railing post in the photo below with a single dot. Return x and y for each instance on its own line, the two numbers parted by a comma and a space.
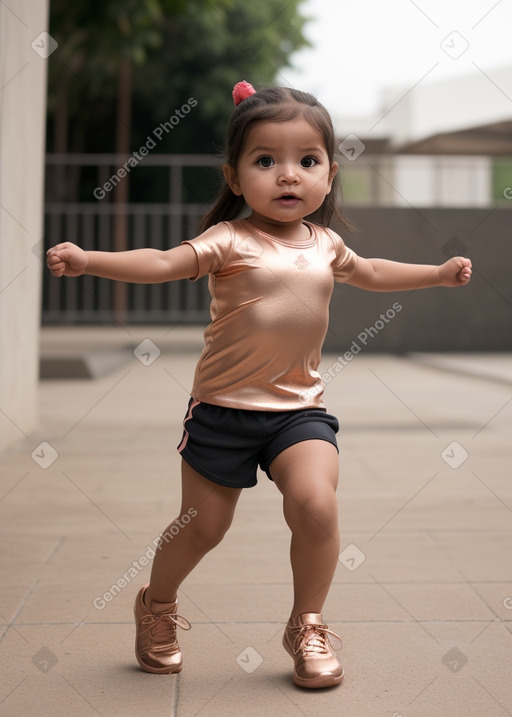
176, 198
121, 196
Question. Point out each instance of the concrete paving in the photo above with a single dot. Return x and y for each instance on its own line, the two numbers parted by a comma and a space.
422, 596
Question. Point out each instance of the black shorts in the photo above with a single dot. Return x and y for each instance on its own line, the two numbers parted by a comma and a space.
226, 445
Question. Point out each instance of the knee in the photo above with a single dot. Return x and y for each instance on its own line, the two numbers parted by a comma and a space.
317, 515
208, 533
202, 533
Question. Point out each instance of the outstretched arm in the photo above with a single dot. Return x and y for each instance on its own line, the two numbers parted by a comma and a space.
385, 275
140, 266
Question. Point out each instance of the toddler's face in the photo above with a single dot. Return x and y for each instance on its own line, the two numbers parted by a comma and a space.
283, 172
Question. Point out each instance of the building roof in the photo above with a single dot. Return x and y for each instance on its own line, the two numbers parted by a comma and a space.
489, 139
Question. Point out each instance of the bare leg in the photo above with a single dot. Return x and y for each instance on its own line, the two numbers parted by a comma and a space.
307, 476
206, 513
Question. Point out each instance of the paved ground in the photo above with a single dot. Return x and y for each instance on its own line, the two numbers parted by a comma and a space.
422, 596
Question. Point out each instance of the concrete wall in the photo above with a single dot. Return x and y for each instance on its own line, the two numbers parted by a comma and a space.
399, 180
477, 317
426, 181
22, 126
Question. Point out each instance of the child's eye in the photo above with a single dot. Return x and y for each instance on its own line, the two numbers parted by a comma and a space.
265, 161
308, 162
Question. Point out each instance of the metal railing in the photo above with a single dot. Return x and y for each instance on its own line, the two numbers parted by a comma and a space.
92, 225
94, 221
92, 300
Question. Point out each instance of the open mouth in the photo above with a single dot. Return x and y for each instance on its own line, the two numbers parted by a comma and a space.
288, 199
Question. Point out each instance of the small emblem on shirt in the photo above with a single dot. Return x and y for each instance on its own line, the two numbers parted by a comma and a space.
301, 262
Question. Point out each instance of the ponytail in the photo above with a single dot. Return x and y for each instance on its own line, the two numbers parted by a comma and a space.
227, 206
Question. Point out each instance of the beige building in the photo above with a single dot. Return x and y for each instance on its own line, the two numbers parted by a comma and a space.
439, 144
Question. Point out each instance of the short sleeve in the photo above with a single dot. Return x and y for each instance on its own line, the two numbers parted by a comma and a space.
345, 262
213, 248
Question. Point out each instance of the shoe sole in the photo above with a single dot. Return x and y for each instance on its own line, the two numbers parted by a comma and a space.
157, 670
318, 683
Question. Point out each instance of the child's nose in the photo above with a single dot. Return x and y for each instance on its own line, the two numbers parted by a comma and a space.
288, 174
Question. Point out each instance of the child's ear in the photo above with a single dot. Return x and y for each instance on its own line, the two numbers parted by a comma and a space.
231, 177
332, 173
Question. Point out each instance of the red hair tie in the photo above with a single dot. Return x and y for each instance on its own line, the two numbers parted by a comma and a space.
241, 91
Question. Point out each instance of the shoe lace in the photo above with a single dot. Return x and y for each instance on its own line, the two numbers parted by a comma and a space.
316, 640
163, 627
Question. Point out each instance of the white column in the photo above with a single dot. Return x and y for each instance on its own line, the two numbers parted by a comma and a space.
23, 68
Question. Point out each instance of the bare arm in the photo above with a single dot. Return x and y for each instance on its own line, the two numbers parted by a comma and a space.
141, 266
385, 275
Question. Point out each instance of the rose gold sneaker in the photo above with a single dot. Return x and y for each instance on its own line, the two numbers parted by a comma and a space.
156, 645
306, 639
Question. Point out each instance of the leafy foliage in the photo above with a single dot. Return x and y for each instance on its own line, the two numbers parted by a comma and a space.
178, 49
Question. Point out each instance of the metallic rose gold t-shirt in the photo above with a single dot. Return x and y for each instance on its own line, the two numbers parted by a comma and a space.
269, 309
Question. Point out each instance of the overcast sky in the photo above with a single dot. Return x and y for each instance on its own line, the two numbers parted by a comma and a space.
360, 47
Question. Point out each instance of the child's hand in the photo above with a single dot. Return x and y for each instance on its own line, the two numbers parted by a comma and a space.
66, 260
455, 272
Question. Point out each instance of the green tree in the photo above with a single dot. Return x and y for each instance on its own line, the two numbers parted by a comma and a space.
133, 62
102, 39
102, 42
91, 76
125, 66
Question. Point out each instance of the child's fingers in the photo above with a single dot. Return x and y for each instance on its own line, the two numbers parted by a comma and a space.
52, 257
54, 263
456, 271
57, 267
60, 251
57, 259
465, 273
58, 247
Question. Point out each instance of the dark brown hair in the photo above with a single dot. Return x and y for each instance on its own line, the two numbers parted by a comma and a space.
277, 104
